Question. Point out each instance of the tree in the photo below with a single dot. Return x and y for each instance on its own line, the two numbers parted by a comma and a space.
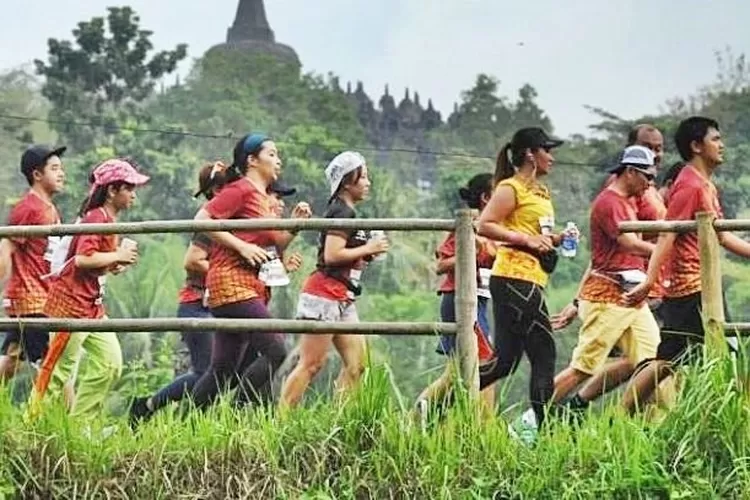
105, 72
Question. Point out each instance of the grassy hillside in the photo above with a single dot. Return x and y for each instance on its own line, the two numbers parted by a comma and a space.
371, 448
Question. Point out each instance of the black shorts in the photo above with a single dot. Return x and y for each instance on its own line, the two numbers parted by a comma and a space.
28, 343
682, 335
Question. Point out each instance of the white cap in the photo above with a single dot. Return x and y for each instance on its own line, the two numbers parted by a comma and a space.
638, 155
342, 164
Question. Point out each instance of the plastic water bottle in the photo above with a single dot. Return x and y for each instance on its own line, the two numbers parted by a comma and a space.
569, 245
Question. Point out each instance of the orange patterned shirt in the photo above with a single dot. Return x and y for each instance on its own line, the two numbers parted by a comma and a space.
230, 278
26, 291
691, 193
607, 257
533, 203
76, 292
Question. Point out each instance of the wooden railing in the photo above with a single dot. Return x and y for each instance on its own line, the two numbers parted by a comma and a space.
465, 271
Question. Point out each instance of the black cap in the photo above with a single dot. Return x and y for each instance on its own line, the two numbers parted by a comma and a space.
533, 137
36, 156
281, 189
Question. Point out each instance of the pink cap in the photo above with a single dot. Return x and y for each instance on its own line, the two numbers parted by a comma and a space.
114, 170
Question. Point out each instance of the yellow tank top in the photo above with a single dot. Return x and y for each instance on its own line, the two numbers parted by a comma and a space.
533, 205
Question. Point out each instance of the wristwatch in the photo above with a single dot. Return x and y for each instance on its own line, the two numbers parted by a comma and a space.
575, 303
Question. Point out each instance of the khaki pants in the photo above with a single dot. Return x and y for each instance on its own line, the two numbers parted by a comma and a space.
605, 325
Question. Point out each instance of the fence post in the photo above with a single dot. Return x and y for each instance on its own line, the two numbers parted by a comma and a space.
712, 303
466, 301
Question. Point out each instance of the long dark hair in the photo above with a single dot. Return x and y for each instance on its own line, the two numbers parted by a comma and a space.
98, 197
352, 177
478, 186
507, 160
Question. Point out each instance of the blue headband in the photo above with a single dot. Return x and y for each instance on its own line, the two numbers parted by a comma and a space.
254, 142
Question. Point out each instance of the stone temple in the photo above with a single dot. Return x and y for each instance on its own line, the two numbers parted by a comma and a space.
387, 122
251, 32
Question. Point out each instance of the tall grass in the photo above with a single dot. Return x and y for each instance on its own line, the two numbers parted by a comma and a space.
368, 447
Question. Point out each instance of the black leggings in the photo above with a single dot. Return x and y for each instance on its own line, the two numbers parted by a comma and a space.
522, 325
227, 368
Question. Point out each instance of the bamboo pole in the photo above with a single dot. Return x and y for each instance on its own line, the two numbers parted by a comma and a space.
740, 328
225, 324
190, 226
712, 304
466, 302
681, 226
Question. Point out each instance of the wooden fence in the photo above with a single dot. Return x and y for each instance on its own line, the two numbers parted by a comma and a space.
465, 270
707, 227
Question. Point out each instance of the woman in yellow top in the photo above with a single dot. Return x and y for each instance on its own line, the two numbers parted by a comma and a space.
520, 216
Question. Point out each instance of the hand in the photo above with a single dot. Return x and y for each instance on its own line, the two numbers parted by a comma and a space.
127, 255
377, 246
253, 254
118, 268
540, 243
293, 262
302, 211
637, 294
218, 167
564, 317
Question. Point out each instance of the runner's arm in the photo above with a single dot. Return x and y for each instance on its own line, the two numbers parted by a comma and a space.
196, 260
735, 244
6, 251
635, 245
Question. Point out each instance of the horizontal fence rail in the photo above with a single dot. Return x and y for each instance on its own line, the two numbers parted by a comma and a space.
682, 226
225, 324
190, 225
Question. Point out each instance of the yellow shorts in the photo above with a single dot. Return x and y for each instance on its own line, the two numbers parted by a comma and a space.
605, 325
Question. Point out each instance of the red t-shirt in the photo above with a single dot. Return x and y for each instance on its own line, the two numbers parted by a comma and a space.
26, 292
690, 194
230, 278
195, 285
447, 249
607, 257
76, 292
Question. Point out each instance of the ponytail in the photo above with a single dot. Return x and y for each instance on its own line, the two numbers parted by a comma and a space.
504, 167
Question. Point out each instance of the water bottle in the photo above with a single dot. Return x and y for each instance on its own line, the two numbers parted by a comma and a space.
378, 234
569, 245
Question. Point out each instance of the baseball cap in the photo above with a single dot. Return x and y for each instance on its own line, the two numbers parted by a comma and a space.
639, 158
115, 170
281, 189
533, 137
36, 156
342, 164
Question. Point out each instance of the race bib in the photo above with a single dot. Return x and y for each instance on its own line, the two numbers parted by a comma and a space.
355, 276
273, 273
483, 287
546, 225
102, 287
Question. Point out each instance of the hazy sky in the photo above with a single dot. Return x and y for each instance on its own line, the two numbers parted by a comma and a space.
625, 56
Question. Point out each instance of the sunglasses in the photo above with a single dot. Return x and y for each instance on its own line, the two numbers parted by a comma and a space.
648, 175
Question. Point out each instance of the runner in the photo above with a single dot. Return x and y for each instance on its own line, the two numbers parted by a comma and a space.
291, 263
27, 259
329, 293
77, 291
192, 304
475, 194
699, 143
617, 264
520, 216
236, 259
649, 206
